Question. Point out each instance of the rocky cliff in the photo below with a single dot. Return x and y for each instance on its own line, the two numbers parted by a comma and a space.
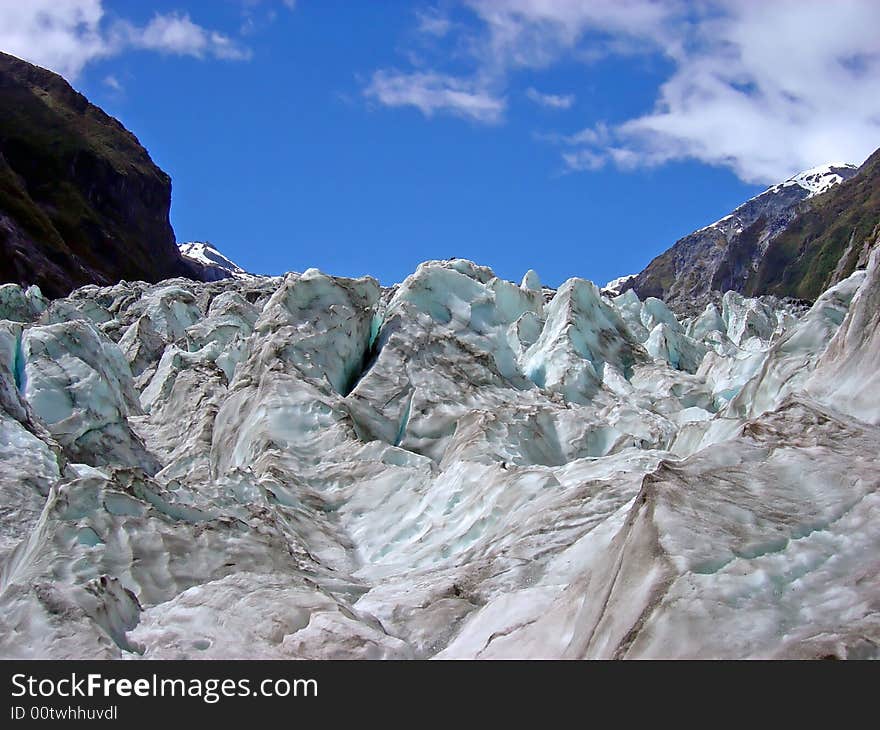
81, 202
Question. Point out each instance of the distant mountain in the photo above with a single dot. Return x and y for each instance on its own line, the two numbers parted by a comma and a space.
617, 286
213, 264
80, 199
739, 251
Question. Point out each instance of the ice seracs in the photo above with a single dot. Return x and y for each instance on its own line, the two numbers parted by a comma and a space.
613, 287
458, 466
847, 376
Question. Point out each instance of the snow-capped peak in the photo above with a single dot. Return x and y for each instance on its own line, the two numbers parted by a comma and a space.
614, 286
815, 181
818, 180
205, 254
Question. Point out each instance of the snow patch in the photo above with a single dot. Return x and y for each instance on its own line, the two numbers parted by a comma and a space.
204, 253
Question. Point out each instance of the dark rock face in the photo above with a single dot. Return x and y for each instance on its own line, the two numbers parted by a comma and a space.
81, 201
731, 253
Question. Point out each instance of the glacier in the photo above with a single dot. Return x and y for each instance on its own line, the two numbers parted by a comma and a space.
457, 466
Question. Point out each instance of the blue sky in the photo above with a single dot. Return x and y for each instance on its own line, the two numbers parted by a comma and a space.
577, 138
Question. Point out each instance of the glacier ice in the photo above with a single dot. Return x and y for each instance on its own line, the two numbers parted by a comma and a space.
458, 466
846, 376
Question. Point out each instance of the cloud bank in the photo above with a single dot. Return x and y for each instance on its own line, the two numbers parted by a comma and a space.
765, 89
67, 35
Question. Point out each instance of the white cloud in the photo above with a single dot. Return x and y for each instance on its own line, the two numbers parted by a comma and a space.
535, 33
431, 93
433, 22
583, 159
764, 88
259, 14
770, 89
63, 36
113, 83
551, 101
67, 35
177, 34
510, 35
172, 34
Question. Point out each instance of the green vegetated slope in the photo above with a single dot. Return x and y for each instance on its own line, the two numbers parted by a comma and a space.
826, 241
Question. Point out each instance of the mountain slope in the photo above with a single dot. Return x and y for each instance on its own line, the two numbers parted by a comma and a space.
726, 254
828, 239
80, 199
214, 265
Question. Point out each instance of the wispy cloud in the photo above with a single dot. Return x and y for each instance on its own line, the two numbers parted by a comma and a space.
113, 83
765, 89
536, 33
259, 14
62, 36
503, 37
583, 159
433, 22
68, 35
177, 34
551, 101
433, 93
